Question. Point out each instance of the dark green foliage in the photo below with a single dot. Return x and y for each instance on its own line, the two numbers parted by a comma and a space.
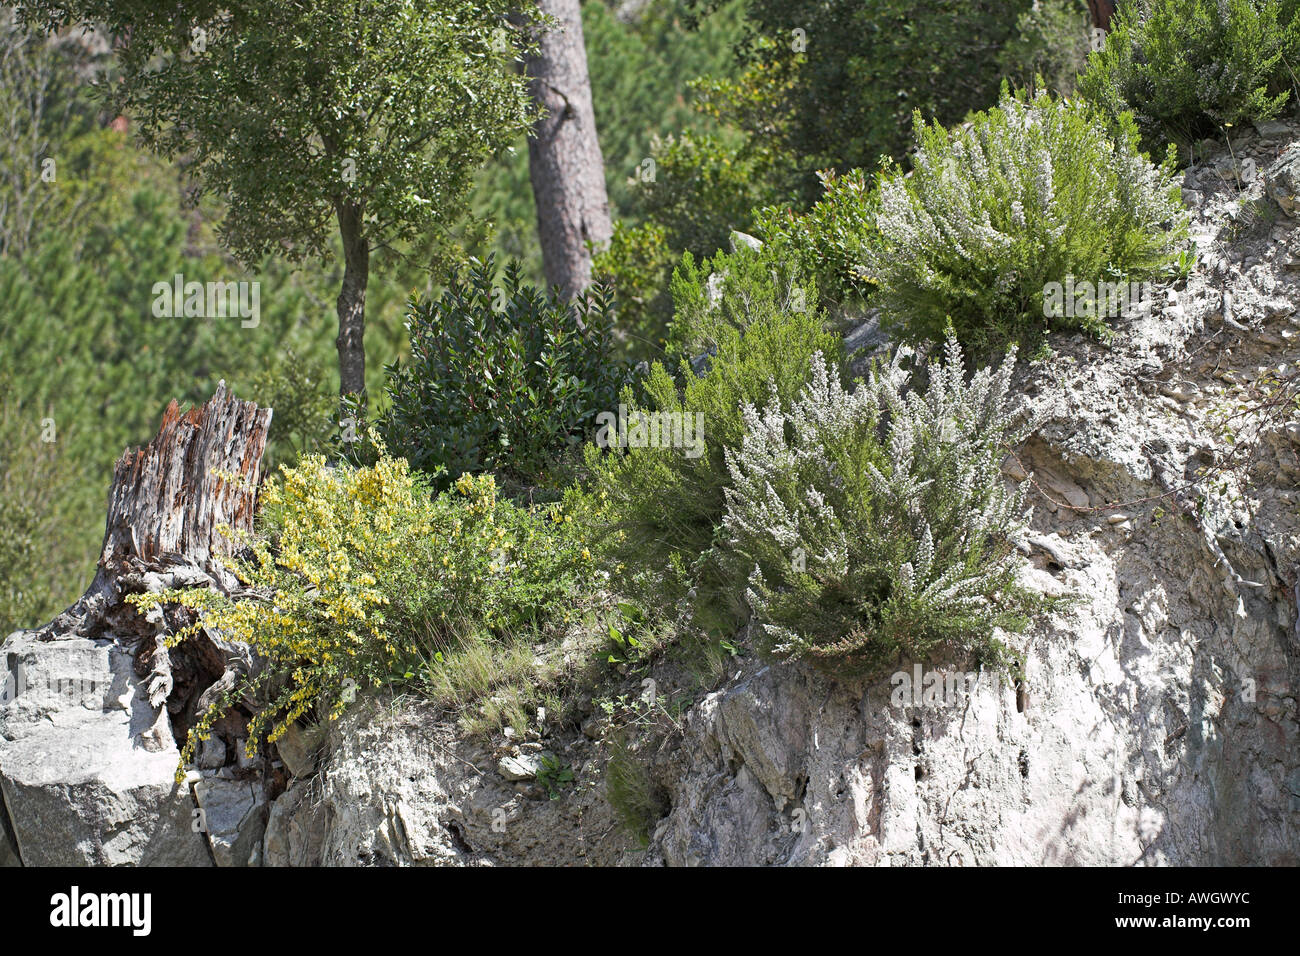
636, 266
287, 110
828, 241
1050, 46
689, 169
796, 117
500, 377
308, 120
295, 387
641, 66
1189, 68
696, 189
858, 71
707, 183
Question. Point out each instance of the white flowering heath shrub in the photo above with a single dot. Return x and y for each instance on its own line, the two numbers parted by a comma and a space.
1023, 195
876, 523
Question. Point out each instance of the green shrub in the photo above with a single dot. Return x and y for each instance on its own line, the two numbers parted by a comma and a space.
698, 186
296, 388
831, 86
1188, 68
360, 578
877, 523
703, 187
1049, 48
663, 503
828, 241
500, 376
718, 297
1029, 193
839, 93
637, 266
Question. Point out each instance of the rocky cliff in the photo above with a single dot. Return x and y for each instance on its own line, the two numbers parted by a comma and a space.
1155, 722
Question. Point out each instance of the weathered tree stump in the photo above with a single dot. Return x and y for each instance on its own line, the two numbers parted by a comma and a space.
199, 473
168, 502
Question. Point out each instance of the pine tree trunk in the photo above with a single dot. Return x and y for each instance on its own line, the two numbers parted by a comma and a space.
1102, 11
352, 300
564, 160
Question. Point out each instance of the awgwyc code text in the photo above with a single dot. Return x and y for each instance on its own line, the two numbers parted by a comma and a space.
1216, 897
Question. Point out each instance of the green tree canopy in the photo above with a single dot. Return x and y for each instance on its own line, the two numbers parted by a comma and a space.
372, 113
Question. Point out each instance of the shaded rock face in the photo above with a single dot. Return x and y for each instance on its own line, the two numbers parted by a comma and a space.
399, 788
295, 831
233, 815
8, 845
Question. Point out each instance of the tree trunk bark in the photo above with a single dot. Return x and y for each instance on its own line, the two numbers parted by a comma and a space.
352, 300
1102, 11
564, 160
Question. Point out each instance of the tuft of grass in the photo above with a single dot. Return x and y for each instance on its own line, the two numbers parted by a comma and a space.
637, 801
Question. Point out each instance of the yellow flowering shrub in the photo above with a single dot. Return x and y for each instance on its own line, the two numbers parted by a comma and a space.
360, 576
